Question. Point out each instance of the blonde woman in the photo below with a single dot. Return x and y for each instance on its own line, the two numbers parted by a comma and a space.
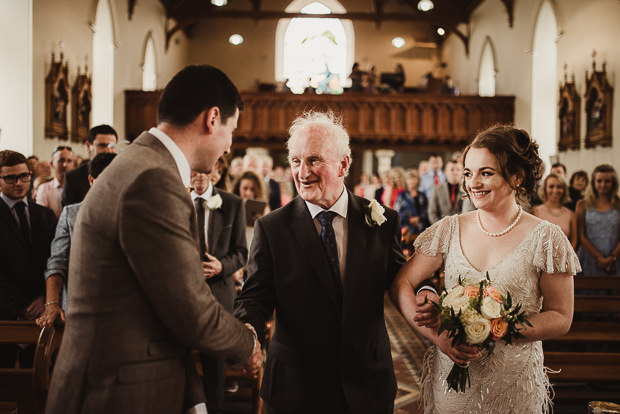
554, 193
598, 223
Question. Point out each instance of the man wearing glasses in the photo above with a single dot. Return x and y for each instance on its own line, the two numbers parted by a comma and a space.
101, 139
27, 231
48, 194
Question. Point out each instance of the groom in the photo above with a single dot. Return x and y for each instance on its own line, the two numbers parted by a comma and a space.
323, 264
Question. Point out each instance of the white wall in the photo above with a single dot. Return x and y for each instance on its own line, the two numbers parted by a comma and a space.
16, 75
583, 26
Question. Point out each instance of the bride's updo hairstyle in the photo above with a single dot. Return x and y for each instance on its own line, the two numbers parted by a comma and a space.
516, 153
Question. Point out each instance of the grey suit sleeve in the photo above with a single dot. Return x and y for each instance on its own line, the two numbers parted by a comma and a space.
237, 255
155, 234
256, 302
58, 262
433, 206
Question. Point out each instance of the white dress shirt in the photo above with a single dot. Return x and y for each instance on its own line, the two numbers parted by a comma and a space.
339, 224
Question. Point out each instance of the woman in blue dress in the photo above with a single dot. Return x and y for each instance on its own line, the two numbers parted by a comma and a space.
598, 224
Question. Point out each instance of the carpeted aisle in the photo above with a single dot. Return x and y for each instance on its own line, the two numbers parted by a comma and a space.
408, 353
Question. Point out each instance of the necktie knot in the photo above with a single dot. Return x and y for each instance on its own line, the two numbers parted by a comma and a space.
20, 206
326, 218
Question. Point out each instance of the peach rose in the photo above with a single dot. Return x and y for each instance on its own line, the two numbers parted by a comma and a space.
499, 328
471, 291
494, 293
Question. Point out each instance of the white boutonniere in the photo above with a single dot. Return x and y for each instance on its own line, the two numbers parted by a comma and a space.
374, 214
214, 202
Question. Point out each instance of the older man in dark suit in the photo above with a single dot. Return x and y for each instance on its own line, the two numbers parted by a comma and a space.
323, 263
27, 231
221, 231
137, 299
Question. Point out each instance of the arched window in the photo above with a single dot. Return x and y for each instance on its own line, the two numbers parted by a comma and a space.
314, 52
103, 66
545, 82
149, 68
486, 73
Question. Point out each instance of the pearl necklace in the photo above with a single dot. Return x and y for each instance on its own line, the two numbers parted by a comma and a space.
501, 233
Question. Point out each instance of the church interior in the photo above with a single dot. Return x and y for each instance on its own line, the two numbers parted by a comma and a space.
433, 74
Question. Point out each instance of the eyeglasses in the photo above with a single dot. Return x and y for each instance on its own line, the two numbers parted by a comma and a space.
12, 179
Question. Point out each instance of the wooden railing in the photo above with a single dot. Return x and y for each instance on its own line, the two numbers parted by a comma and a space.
417, 122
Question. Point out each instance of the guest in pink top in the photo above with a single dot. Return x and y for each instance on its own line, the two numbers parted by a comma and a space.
48, 194
554, 193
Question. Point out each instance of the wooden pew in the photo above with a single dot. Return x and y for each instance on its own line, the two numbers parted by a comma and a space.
27, 388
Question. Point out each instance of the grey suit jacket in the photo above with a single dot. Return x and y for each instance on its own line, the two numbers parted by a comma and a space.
138, 302
440, 206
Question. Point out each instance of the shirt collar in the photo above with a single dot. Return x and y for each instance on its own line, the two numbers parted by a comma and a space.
206, 195
11, 202
340, 207
174, 150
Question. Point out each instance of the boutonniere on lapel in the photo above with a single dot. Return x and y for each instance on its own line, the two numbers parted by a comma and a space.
214, 202
374, 214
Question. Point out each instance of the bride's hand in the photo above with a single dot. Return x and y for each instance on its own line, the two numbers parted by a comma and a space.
461, 354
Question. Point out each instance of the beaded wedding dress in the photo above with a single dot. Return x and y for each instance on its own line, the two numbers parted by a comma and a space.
513, 378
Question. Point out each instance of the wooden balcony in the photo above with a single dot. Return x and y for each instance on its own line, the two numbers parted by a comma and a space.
410, 122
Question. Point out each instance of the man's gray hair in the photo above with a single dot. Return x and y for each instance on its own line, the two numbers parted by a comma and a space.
327, 124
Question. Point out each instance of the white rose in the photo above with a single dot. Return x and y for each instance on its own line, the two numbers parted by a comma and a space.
214, 202
376, 213
456, 300
477, 330
490, 309
469, 315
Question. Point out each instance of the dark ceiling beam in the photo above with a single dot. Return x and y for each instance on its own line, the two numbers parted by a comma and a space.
447, 19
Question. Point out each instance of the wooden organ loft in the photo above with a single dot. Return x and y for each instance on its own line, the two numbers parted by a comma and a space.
402, 122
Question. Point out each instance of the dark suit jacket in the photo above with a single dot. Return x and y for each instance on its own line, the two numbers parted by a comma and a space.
320, 349
226, 241
22, 264
137, 301
76, 185
275, 198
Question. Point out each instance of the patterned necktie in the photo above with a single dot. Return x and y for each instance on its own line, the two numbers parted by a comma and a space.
328, 237
20, 209
200, 212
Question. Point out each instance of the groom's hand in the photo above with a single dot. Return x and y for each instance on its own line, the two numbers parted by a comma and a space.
256, 359
426, 314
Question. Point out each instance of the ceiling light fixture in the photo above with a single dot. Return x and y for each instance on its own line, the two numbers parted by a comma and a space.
219, 3
441, 31
235, 39
398, 42
425, 5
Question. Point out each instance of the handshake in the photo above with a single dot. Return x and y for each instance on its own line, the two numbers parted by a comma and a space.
256, 359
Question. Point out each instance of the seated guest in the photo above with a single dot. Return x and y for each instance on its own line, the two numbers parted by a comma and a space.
101, 139
221, 227
559, 169
48, 194
577, 188
27, 230
220, 177
447, 198
412, 205
553, 192
58, 263
598, 224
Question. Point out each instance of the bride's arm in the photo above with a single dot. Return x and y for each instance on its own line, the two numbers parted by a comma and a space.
557, 312
419, 268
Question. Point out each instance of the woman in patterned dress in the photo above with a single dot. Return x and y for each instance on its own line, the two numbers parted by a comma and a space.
528, 257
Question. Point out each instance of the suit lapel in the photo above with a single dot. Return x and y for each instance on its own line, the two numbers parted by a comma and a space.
306, 235
357, 234
214, 227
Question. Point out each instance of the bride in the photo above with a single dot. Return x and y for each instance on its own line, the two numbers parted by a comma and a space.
530, 258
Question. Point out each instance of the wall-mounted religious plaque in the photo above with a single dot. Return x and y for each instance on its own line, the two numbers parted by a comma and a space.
56, 99
569, 112
81, 100
598, 101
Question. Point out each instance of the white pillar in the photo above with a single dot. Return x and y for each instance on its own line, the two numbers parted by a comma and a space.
384, 157
367, 162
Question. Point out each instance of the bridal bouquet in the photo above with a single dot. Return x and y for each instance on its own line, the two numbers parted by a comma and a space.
477, 314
